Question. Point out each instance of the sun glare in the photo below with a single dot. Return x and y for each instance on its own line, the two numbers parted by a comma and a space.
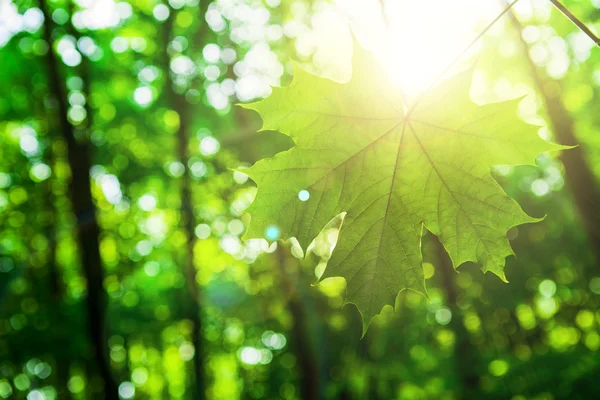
417, 40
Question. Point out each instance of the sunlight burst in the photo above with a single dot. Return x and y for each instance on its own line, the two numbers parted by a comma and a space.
417, 40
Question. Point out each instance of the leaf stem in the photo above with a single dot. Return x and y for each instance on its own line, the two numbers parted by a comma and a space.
576, 21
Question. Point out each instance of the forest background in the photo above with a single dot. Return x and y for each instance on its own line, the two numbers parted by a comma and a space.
122, 271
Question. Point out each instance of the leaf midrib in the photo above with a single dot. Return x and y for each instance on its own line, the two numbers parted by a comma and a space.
372, 143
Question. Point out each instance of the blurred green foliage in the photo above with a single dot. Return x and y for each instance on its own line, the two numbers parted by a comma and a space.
266, 332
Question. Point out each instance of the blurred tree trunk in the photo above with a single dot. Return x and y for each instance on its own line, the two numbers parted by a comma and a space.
581, 180
178, 103
62, 351
464, 355
88, 231
289, 269
304, 350
345, 394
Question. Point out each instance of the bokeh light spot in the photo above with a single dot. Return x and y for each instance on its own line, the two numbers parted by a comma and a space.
272, 233
126, 390
303, 195
498, 367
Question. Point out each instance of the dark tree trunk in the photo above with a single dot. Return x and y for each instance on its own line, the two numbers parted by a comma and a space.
61, 351
178, 103
307, 360
464, 357
581, 181
85, 212
345, 394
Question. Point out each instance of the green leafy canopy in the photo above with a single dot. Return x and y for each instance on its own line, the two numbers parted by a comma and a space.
392, 172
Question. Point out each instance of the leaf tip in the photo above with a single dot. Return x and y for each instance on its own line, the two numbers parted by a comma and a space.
561, 147
366, 322
365, 319
248, 106
499, 272
424, 293
365, 327
299, 72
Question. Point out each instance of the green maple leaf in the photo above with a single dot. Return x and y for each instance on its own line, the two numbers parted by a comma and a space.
392, 172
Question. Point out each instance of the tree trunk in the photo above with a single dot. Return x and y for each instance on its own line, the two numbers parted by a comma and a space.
61, 352
464, 356
84, 209
581, 180
178, 103
307, 361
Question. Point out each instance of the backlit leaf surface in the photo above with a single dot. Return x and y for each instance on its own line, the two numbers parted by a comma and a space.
392, 170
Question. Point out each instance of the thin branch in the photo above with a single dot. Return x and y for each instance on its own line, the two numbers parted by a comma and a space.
462, 53
576, 21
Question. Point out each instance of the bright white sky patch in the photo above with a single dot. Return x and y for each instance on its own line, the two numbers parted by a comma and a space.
111, 188
143, 95
126, 390
101, 14
41, 171
147, 202
183, 65
250, 355
28, 141
209, 146
211, 52
161, 12
11, 22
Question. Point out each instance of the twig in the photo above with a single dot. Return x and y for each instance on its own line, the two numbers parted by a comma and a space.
576, 21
